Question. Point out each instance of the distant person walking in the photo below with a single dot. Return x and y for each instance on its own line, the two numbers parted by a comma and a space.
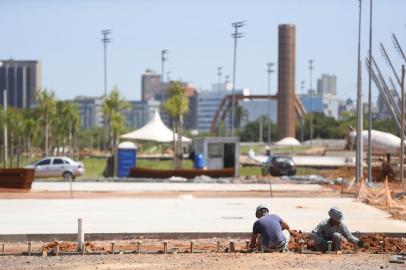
333, 229
272, 231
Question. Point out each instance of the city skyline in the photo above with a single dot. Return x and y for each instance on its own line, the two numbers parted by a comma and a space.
68, 44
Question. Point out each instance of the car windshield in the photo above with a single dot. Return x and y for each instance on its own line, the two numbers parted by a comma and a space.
283, 159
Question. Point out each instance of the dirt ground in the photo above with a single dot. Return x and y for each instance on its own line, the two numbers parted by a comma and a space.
216, 261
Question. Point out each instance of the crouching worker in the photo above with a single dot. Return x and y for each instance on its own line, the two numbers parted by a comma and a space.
334, 230
272, 230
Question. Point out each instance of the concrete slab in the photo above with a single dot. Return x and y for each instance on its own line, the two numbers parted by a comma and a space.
145, 187
184, 214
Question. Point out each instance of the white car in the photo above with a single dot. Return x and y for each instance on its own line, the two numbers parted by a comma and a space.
57, 167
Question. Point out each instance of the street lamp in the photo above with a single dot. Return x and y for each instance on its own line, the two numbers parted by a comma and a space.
105, 40
236, 35
359, 154
311, 67
269, 71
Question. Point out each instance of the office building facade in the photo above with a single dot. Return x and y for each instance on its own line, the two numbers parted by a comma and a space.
21, 80
327, 84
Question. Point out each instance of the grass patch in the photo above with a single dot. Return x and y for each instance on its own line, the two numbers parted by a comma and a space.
93, 167
250, 171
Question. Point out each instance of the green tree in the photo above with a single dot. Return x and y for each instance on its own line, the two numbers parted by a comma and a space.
251, 131
177, 105
47, 112
66, 125
112, 108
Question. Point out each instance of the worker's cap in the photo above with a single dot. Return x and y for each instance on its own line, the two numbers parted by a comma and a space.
267, 148
335, 214
259, 209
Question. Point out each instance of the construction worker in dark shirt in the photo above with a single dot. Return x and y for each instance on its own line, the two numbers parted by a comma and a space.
273, 231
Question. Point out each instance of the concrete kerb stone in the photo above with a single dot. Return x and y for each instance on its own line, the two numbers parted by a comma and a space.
89, 237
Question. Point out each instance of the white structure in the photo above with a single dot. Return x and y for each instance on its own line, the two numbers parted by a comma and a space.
154, 130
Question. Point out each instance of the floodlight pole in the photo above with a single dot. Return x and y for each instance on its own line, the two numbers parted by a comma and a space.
105, 40
402, 130
311, 67
269, 71
359, 152
370, 97
219, 74
236, 35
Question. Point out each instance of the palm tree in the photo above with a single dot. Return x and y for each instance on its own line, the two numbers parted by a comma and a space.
112, 108
177, 105
47, 111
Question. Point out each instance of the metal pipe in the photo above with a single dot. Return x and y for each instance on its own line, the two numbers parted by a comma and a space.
269, 71
81, 234
402, 128
359, 156
311, 100
389, 62
5, 101
370, 98
398, 47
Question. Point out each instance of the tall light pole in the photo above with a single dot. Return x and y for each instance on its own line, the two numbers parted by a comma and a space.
311, 67
164, 53
370, 96
236, 35
105, 41
302, 87
219, 74
359, 152
269, 71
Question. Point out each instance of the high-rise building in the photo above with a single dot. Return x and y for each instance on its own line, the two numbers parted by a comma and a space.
89, 111
208, 102
140, 112
327, 84
21, 79
326, 104
150, 85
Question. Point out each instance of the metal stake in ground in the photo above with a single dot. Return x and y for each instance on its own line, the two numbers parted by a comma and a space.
81, 234
29, 248
192, 246
138, 247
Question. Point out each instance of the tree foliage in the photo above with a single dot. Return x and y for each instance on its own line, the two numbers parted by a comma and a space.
112, 108
176, 106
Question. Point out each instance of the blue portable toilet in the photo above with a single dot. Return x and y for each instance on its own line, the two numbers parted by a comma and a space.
199, 161
126, 158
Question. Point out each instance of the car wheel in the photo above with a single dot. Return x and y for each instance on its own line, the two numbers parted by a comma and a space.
68, 176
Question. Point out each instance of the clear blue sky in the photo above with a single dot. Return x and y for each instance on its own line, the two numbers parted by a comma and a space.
65, 37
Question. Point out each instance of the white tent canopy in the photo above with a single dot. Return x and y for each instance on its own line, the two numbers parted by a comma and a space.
154, 130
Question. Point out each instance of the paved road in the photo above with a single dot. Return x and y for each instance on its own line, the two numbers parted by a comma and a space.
185, 214
145, 187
